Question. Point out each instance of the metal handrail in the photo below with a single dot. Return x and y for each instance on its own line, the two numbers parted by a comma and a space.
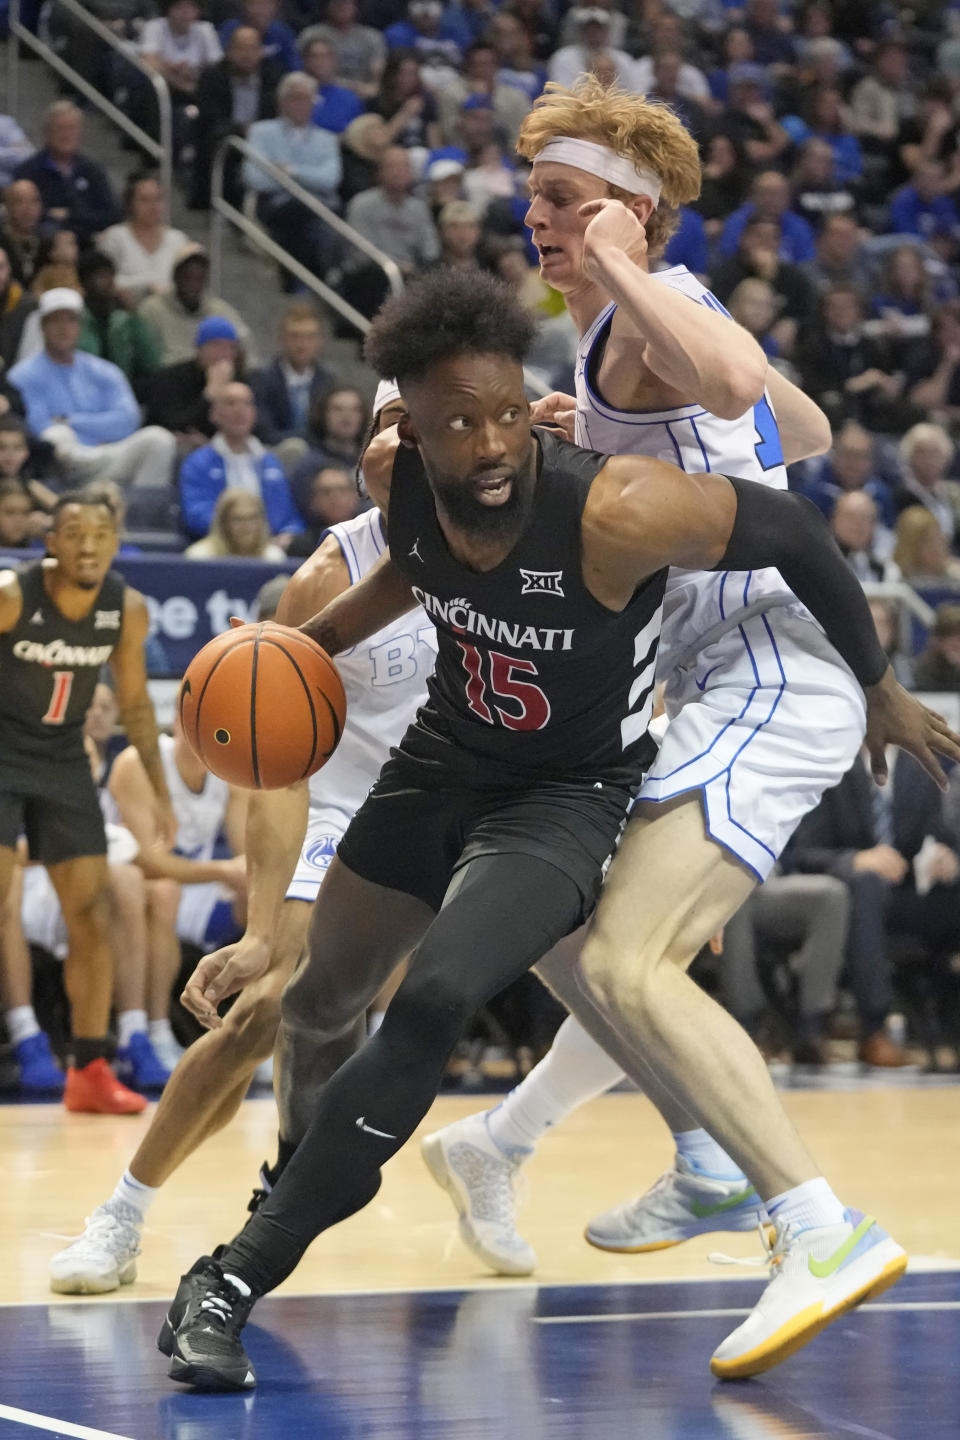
223, 210
900, 593
161, 150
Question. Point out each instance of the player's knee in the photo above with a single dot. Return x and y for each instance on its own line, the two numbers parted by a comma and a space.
252, 1028
614, 974
90, 911
325, 1012
433, 1007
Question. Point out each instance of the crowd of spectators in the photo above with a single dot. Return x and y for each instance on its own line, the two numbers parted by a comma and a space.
828, 224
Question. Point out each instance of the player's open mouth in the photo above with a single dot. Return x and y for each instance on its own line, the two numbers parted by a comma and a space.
494, 487
548, 252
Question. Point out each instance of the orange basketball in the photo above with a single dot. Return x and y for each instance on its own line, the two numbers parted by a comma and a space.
262, 706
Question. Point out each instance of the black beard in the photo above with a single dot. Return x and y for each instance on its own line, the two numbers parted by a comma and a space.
486, 522
87, 584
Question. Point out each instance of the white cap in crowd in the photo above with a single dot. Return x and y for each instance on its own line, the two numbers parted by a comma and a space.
60, 298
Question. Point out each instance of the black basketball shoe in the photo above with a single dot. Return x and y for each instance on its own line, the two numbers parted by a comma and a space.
201, 1333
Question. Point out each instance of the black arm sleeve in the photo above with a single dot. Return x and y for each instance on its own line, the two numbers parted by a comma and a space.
777, 528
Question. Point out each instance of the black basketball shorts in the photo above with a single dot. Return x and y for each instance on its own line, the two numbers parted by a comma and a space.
435, 807
55, 806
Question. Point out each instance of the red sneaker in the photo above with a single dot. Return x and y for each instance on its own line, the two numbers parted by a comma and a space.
95, 1090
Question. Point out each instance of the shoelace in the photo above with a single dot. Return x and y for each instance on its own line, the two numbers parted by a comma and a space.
775, 1253
219, 1302
109, 1228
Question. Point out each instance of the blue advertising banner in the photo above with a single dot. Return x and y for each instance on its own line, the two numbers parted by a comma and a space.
190, 601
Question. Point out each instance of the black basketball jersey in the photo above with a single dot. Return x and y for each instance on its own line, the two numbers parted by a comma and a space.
531, 669
49, 668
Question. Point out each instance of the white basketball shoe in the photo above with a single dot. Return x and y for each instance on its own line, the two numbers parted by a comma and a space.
481, 1181
681, 1204
104, 1257
816, 1276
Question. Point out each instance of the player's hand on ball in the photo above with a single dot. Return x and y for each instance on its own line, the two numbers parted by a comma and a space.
895, 717
222, 974
555, 409
612, 226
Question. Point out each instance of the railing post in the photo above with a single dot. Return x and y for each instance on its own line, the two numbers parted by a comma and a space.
165, 108
216, 219
13, 59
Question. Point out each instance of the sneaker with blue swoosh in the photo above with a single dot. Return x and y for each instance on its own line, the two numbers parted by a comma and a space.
681, 1204
817, 1275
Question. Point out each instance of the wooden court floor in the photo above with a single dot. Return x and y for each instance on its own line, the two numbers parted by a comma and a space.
892, 1152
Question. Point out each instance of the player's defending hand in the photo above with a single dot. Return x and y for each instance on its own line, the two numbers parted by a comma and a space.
612, 227
895, 717
558, 410
222, 974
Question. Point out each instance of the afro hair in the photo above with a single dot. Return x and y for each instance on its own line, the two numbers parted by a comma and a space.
446, 313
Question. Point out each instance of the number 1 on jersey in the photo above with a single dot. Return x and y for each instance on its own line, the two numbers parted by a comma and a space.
534, 705
60, 699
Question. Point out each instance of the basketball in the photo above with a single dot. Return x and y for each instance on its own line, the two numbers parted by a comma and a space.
262, 706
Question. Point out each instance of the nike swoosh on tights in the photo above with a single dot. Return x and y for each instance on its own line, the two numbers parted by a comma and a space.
822, 1269
703, 1212
370, 1130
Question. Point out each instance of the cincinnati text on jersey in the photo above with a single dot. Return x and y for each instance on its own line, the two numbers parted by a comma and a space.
461, 617
58, 652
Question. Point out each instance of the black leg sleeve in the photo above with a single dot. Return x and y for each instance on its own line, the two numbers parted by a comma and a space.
504, 912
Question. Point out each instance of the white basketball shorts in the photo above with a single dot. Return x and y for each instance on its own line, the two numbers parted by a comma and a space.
326, 825
762, 721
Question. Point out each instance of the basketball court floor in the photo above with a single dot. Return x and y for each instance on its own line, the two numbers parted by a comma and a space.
390, 1329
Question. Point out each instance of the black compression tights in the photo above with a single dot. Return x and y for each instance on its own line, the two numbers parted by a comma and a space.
504, 913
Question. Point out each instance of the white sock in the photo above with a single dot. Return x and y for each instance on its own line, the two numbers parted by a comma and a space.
159, 1029
806, 1206
374, 1021
573, 1071
703, 1153
130, 1022
132, 1192
21, 1023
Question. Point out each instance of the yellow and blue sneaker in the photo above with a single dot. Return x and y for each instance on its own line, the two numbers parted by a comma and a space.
681, 1204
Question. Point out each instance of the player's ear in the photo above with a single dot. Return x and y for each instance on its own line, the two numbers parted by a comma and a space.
642, 206
408, 436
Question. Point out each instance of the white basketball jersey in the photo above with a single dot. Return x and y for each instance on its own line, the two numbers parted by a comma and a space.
199, 815
385, 679
697, 441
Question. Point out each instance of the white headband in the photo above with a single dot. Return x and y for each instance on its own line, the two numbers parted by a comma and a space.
387, 394
603, 162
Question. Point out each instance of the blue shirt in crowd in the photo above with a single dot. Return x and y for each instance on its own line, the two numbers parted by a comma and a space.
310, 154
910, 215
335, 108
688, 245
203, 475
92, 395
796, 236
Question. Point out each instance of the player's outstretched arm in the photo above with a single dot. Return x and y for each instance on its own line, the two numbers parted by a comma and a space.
705, 355
381, 597
710, 522
128, 666
276, 824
